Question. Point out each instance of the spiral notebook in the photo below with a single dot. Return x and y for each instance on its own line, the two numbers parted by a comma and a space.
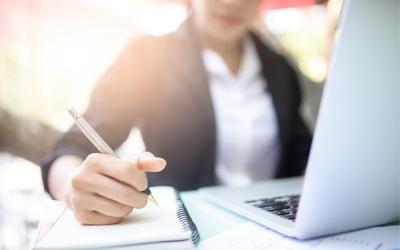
166, 227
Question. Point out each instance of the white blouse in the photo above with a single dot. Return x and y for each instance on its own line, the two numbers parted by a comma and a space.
248, 146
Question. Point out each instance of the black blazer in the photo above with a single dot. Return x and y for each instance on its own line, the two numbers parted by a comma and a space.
159, 84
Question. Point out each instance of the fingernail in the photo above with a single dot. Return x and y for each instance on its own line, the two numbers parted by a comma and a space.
162, 160
147, 157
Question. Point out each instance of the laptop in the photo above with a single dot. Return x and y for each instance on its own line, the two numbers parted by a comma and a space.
352, 176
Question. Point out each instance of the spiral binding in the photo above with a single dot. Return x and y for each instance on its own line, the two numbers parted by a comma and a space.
185, 220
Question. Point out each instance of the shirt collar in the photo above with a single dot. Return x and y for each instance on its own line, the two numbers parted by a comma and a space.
250, 65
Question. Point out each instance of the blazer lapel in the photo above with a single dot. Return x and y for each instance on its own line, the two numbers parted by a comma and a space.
276, 84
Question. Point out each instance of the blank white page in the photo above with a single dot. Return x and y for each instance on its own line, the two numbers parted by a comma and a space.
150, 224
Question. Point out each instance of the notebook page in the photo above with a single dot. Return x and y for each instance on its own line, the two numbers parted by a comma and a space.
251, 236
151, 224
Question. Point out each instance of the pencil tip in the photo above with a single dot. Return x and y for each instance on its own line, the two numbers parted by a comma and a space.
153, 200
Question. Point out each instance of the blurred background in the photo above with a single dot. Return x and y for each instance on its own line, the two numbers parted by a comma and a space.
53, 51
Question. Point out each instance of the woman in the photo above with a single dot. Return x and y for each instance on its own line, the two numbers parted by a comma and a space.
211, 99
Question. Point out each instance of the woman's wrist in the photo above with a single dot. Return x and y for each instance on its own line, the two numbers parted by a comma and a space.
60, 176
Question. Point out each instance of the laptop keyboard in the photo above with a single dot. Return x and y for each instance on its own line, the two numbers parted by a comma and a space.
283, 206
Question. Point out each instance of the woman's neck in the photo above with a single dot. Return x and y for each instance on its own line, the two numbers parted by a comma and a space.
230, 51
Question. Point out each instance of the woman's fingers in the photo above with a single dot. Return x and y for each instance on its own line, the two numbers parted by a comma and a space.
94, 202
117, 191
121, 170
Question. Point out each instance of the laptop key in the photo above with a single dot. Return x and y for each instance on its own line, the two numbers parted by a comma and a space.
252, 201
274, 208
283, 212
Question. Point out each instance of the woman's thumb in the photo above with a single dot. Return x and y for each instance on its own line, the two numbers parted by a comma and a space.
148, 162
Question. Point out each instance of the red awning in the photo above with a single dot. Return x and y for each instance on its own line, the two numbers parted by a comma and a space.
279, 4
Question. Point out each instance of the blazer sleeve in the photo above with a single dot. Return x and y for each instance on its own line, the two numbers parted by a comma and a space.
116, 103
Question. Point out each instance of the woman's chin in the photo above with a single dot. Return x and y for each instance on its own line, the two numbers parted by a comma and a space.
229, 35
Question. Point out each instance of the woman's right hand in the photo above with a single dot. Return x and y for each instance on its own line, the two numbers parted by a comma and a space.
105, 189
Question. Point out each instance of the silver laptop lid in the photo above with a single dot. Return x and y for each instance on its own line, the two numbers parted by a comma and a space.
352, 179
